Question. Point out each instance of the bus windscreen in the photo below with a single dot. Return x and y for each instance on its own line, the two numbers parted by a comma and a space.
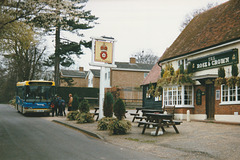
39, 93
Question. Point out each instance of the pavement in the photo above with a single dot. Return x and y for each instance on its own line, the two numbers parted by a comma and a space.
196, 140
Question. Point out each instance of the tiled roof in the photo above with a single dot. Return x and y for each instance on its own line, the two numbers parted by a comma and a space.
216, 26
132, 66
73, 73
96, 72
153, 75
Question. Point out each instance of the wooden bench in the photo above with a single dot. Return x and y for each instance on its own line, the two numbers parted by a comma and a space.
147, 124
134, 116
176, 122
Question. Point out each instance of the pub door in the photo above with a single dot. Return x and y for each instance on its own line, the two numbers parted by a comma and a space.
210, 101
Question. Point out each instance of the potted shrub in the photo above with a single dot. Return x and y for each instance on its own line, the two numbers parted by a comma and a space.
84, 116
221, 77
71, 116
119, 109
119, 125
232, 81
107, 111
108, 105
104, 122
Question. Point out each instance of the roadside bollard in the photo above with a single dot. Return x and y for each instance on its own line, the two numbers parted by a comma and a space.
188, 116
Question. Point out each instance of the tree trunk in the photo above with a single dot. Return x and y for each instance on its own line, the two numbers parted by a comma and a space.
57, 58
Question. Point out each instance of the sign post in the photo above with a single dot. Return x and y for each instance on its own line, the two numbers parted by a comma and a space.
102, 56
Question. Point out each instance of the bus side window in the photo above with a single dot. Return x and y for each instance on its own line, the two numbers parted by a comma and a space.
27, 91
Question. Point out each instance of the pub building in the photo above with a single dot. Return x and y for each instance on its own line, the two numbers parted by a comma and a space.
209, 42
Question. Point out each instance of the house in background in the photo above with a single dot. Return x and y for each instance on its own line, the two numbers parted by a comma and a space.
77, 78
210, 41
127, 76
93, 78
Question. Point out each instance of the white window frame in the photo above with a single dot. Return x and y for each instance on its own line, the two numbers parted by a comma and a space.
237, 101
172, 89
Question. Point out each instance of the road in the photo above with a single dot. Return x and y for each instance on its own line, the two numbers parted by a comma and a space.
33, 138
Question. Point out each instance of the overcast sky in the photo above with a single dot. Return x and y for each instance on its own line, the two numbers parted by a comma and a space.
139, 24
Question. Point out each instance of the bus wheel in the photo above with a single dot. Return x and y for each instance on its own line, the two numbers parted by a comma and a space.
18, 109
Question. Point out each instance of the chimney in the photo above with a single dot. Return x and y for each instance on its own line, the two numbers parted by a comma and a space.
81, 69
132, 60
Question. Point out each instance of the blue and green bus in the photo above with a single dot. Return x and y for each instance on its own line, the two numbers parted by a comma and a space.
34, 96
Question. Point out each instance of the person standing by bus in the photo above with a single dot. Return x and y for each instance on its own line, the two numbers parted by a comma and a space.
63, 105
70, 102
60, 106
54, 105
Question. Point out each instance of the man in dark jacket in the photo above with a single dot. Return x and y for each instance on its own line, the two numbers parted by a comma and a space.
54, 105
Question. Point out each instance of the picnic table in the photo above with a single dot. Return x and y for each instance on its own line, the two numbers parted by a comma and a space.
159, 120
136, 114
145, 111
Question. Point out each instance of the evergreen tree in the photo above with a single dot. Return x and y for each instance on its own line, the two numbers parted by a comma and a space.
65, 15
108, 105
119, 109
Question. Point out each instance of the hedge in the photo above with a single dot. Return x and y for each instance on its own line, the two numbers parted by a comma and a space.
91, 94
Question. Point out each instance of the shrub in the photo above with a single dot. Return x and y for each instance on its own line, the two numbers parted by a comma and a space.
189, 68
221, 72
162, 72
84, 106
219, 81
234, 70
75, 103
104, 122
71, 116
232, 81
119, 109
108, 105
13, 101
117, 126
171, 69
84, 118
181, 69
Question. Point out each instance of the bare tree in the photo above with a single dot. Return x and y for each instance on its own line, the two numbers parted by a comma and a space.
194, 13
145, 57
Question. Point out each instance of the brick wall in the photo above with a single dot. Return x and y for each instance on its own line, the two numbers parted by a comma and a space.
201, 109
125, 79
96, 82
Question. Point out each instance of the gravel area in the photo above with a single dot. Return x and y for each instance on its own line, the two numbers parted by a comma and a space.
197, 140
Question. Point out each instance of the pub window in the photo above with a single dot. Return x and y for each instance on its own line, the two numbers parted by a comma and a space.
230, 94
147, 94
145, 75
178, 96
183, 62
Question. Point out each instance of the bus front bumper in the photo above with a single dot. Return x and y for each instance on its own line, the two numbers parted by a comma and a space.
40, 110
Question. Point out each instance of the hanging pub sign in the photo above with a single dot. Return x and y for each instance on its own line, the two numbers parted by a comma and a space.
215, 60
103, 51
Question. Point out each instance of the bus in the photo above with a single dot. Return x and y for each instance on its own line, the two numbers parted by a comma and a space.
34, 96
